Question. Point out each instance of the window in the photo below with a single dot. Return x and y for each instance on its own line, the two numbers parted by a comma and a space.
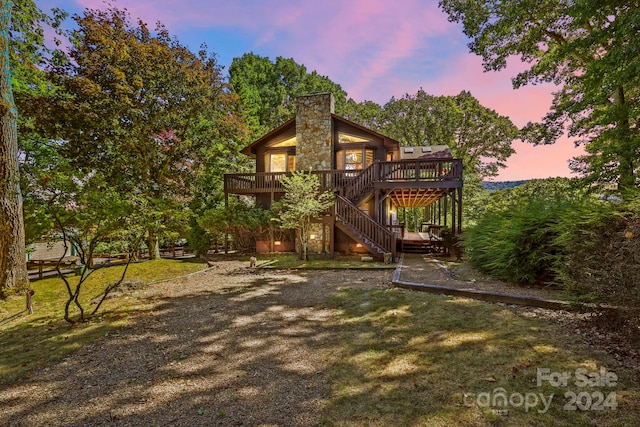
358, 158
345, 138
290, 142
353, 159
280, 162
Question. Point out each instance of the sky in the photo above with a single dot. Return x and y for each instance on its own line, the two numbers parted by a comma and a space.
374, 49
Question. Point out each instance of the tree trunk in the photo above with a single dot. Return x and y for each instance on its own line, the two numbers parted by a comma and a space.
13, 258
626, 150
154, 246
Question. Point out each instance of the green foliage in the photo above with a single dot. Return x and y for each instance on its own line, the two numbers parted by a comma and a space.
154, 120
200, 240
302, 201
241, 219
365, 113
516, 238
268, 89
590, 50
602, 246
85, 211
548, 189
476, 134
420, 119
29, 52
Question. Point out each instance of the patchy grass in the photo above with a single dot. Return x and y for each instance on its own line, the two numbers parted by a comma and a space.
413, 359
319, 262
463, 271
28, 342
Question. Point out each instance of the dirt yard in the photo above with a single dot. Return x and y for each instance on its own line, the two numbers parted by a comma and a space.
228, 346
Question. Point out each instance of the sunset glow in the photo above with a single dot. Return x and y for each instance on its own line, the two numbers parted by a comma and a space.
374, 49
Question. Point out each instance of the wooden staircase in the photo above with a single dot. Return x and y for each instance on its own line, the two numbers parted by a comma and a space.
378, 240
361, 185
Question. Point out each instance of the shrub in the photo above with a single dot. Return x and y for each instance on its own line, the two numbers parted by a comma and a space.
601, 245
518, 244
515, 239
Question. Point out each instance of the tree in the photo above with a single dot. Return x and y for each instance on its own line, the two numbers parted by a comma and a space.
86, 211
590, 49
13, 268
420, 119
268, 89
478, 135
239, 218
302, 201
365, 113
483, 138
145, 112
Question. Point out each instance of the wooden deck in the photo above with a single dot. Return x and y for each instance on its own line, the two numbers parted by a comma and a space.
391, 175
417, 242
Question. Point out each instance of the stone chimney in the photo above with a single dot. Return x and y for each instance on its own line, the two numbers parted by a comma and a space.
314, 132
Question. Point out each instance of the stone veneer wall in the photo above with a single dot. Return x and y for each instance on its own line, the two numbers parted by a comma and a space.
314, 133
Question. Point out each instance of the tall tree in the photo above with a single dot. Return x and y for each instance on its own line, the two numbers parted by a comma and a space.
590, 49
420, 119
144, 111
478, 135
13, 268
365, 113
268, 89
483, 138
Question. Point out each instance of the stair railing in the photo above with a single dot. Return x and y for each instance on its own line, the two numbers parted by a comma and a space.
362, 183
362, 223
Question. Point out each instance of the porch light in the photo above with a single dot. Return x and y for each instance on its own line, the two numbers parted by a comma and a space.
358, 245
277, 243
313, 236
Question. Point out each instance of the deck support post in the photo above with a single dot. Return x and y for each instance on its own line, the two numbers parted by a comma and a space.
459, 192
446, 209
226, 236
453, 212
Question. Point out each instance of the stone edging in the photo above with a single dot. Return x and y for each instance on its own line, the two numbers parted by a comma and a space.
478, 295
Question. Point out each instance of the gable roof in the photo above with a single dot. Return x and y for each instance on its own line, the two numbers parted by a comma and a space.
387, 141
250, 149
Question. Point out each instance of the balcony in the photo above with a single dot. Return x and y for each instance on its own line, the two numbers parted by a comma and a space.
431, 173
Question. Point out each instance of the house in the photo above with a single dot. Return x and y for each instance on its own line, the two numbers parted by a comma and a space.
371, 174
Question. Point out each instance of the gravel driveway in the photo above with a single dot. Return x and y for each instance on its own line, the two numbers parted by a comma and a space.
227, 346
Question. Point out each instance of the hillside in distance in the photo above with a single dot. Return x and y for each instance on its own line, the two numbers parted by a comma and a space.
502, 185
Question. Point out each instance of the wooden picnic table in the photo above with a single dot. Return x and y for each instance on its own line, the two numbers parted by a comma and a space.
41, 264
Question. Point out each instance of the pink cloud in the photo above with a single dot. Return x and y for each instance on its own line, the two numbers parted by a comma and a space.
375, 49
494, 90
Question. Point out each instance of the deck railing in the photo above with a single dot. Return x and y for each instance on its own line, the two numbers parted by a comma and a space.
352, 182
420, 170
361, 184
357, 220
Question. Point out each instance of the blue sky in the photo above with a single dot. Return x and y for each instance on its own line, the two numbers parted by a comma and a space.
374, 49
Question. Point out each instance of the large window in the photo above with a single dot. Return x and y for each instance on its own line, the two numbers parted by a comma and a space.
357, 158
346, 138
280, 162
290, 142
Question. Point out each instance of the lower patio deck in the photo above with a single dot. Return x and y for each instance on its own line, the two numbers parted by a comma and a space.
421, 242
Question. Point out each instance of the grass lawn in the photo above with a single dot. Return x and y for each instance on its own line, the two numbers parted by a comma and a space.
319, 262
31, 341
412, 359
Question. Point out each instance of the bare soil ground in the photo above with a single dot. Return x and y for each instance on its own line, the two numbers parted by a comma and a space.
229, 346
